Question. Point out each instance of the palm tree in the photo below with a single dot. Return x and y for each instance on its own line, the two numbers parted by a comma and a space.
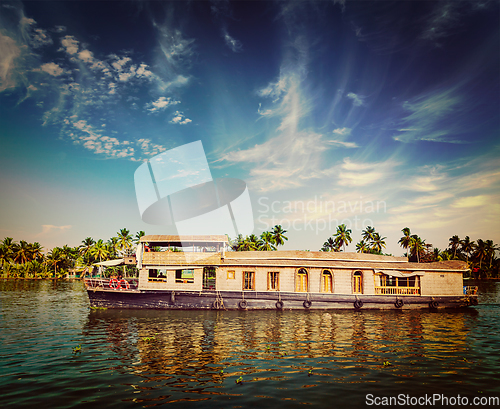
445, 255
100, 250
86, 246
70, 255
124, 240
251, 243
56, 257
22, 252
378, 242
138, 236
467, 247
36, 251
368, 233
343, 236
417, 246
490, 249
454, 243
406, 241
267, 241
279, 235
330, 245
113, 247
237, 243
7, 251
481, 251
436, 254
362, 247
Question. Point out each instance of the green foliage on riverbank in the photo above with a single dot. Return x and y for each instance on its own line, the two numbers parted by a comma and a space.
27, 260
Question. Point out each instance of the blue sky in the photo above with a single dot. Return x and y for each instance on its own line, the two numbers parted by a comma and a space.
367, 113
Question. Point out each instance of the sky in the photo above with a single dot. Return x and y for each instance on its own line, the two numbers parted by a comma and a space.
367, 113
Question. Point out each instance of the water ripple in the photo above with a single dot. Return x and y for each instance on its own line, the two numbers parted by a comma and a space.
235, 358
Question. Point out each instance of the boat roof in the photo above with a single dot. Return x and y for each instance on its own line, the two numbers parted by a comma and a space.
336, 260
312, 255
175, 240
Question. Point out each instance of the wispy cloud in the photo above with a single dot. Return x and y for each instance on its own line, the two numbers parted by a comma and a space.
427, 117
49, 229
343, 143
342, 131
443, 21
354, 174
357, 100
290, 156
233, 44
342, 134
9, 52
472, 201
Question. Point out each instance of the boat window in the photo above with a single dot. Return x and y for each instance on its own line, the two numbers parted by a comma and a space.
157, 274
249, 280
273, 281
184, 276
326, 282
230, 275
358, 283
301, 282
209, 276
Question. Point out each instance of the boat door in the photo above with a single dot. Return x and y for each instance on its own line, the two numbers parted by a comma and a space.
209, 278
358, 283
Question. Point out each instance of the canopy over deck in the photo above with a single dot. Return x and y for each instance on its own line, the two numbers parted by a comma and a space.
111, 263
185, 241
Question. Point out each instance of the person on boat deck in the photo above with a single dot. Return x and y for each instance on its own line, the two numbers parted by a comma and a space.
146, 247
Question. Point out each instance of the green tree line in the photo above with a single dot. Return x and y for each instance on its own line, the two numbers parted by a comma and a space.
27, 260
480, 256
268, 241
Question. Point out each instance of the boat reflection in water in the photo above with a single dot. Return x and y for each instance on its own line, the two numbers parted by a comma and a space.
201, 355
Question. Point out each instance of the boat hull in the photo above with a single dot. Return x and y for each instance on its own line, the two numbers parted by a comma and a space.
237, 300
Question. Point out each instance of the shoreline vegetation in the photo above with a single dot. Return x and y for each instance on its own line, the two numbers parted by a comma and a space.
25, 260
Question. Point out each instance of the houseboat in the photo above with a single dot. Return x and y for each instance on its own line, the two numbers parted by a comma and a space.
210, 276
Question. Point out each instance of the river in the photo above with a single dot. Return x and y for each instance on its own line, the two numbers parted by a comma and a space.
58, 353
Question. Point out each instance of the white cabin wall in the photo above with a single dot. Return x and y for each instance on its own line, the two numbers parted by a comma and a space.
225, 284
441, 283
368, 281
170, 284
342, 281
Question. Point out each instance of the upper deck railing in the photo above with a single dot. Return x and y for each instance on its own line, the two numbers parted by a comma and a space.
397, 290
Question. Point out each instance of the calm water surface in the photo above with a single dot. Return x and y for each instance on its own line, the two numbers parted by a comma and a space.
193, 359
